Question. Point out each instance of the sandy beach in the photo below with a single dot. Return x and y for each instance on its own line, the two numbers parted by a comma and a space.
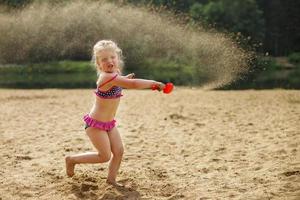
191, 144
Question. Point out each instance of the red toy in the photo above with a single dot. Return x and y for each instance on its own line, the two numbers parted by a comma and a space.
167, 89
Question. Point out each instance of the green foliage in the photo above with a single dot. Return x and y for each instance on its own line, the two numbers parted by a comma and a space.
62, 74
15, 3
74, 74
294, 57
176, 5
171, 71
283, 26
269, 64
267, 73
54, 67
233, 15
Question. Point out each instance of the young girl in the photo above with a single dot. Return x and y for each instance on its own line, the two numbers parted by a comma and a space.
100, 125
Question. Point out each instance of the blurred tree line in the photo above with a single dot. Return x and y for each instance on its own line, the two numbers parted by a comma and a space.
272, 26
269, 26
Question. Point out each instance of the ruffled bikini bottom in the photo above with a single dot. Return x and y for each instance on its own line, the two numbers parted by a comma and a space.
104, 126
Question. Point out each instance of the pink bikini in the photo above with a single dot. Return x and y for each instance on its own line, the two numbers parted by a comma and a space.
112, 93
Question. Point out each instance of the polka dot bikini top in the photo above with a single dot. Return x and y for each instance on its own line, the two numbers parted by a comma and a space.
112, 93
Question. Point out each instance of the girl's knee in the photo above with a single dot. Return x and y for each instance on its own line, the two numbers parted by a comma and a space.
118, 152
105, 156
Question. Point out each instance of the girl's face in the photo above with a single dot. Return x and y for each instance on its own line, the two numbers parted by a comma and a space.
108, 61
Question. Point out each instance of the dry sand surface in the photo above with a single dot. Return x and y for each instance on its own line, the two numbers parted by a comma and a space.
191, 144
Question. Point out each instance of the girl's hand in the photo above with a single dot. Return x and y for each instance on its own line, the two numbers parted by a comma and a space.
158, 86
130, 76
161, 86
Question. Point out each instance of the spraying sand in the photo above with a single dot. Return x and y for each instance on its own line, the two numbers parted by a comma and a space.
43, 32
192, 144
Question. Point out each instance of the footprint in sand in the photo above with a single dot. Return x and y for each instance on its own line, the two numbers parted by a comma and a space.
23, 157
86, 186
167, 190
291, 173
68, 149
176, 196
158, 173
91, 179
177, 116
199, 124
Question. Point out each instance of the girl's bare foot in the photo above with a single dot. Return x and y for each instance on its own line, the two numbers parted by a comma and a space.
114, 183
70, 165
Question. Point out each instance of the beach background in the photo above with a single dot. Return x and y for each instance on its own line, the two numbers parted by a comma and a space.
229, 130
191, 144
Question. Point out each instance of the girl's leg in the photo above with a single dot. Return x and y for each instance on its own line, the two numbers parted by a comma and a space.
100, 141
117, 150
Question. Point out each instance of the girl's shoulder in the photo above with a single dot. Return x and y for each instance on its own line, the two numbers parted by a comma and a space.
105, 78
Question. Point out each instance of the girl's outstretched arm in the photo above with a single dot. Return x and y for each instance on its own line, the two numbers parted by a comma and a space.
136, 83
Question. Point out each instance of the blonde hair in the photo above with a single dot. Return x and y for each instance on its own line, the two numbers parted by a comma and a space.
103, 45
